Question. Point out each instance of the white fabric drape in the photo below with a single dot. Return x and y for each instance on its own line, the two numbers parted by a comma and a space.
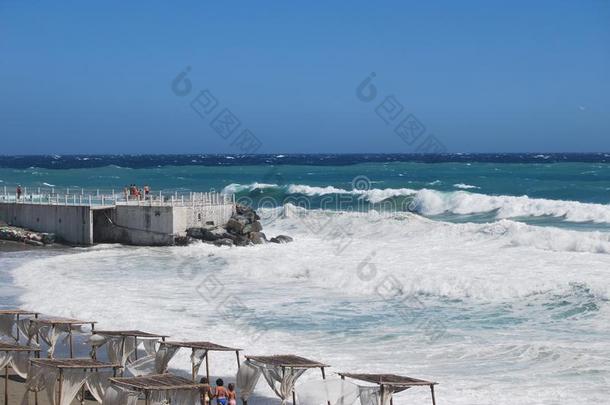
281, 380
28, 329
120, 396
376, 395
7, 325
150, 346
72, 382
50, 333
119, 349
370, 396
386, 395
21, 362
40, 378
334, 392
142, 366
5, 359
98, 383
247, 377
184, 397
197, 357
163, 356
158, 398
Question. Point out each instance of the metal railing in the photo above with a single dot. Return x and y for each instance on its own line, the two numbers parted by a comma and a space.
98, 197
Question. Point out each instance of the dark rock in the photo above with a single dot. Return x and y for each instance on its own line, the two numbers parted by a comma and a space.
236, 224
196, 233
223, 242
205, 234
241, 240
182, 240
244, 210
48, 238
253, 227
257, 238
281, 239
33, 242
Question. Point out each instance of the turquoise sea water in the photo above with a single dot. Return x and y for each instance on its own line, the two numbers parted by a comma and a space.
491, 278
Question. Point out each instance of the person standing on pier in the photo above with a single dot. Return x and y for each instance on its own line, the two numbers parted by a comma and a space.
19, 192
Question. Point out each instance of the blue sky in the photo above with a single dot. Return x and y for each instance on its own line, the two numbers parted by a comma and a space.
481, 76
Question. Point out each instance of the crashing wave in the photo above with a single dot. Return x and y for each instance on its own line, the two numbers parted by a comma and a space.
434, 202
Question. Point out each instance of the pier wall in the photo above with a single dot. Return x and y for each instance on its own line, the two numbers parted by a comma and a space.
128, 224
198, 216
70, 223
133, 225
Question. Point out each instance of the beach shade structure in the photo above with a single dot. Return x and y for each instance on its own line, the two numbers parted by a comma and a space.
386, 386
51, 328
15, 356
156, 389
72, 375
11, 320
199, 353
122, 348
280, 371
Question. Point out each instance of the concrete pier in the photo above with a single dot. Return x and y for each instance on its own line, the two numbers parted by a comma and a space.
88, 219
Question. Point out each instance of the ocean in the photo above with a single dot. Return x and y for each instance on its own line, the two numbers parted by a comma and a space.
485, 273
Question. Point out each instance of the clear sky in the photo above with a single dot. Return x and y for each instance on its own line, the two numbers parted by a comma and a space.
481, 76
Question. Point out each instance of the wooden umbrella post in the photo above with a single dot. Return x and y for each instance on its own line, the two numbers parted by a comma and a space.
193, 376
36, 392
237, 355
82, 391
70, 339
17, 328
432, 393
6, 385
207, 366
61, 381
135, 343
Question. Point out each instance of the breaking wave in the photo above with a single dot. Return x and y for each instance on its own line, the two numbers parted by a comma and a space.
434, 202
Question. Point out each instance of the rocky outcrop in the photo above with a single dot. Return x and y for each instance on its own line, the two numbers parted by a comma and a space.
243, 228
281, 239
16, 234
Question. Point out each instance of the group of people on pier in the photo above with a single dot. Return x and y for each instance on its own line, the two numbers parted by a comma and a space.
133, 192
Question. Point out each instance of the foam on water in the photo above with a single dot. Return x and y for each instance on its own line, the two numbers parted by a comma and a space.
503, 313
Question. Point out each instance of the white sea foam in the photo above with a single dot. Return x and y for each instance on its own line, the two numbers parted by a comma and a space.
511, 300
236, 188
465, 186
